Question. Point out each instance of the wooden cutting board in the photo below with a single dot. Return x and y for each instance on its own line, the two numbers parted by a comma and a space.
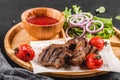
17, 36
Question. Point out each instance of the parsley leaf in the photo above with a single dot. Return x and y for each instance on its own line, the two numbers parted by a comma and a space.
101, 9
117, 17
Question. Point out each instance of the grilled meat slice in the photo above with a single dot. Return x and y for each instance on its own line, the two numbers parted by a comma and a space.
73, 42
78, 56
80, 48
73, 52
54, 55
90, 49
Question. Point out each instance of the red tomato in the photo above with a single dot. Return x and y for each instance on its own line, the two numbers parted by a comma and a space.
94, 61
25, 52
97, 41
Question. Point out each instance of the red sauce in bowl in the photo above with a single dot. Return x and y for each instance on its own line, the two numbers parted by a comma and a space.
43, 20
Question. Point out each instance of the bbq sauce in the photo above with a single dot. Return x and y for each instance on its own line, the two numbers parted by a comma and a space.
43, 20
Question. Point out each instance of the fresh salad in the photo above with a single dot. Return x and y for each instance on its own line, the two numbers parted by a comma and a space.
84, 24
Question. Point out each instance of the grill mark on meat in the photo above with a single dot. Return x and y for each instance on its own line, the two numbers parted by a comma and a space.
96, 51
90, 49
51, 49
44, 53
51, 53
48, 53
87, 48
93, 49
60, 59
57, 56
53, 56
85, 43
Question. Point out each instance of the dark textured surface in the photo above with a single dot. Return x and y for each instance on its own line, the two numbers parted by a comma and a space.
10, 12
9, 73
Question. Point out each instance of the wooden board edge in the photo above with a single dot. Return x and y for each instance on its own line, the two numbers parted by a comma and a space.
30, 66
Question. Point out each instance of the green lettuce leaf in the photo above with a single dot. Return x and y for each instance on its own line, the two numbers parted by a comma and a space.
108, 31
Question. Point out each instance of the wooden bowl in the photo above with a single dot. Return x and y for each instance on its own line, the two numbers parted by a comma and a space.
42, 31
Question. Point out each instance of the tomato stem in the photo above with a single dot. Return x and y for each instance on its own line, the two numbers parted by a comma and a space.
106, 43
16, 50
97, 57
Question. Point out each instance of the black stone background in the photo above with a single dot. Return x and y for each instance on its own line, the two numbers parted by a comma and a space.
10, 10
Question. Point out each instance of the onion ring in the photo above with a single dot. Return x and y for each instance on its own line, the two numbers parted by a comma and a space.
66, 32
76, 20
94, 31
83, 21
86, 20
80, 19
91, 16
82, 35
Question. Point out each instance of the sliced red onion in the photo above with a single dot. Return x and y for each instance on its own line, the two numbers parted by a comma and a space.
80, 19
83, 21
66, 32
94, 31
86, 20
76, 20
94, 27
82, 35
91, 16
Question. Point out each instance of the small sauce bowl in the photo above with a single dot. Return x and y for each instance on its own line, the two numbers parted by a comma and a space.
42, 31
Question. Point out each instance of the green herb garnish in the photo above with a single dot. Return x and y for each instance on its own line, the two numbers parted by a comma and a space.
117, 17
101, 9
106, 33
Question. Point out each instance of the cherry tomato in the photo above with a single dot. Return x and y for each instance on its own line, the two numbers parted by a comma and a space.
94, 61
25, 52
97, 41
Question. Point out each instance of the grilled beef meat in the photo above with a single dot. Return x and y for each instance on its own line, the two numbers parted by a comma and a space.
73, 52
54, 55
73, 42
80, 48
82, 42
78, 56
